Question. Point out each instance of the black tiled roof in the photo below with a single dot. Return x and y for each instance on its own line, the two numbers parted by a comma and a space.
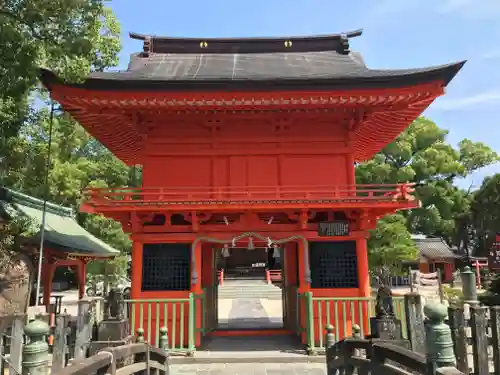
254, 61
434, 249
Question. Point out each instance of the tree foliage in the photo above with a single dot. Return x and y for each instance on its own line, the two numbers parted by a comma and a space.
71, 38
74, 37
392, 243
485, 214
420, 155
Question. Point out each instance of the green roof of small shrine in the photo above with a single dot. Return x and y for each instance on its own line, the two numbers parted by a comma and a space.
62, 231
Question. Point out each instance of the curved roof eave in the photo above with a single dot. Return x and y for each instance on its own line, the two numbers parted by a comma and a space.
371, 79
347, 34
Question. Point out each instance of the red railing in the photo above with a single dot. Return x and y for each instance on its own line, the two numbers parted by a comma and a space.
248, 194
273, 276
220, 276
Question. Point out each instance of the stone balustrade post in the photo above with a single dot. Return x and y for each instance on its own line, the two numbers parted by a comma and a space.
469, 286
36, 350
439, 343
330, 336
163, 341
140, 335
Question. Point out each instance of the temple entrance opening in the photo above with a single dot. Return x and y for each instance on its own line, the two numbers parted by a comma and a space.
249, 292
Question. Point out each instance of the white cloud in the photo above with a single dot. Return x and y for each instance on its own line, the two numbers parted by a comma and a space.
484, 98
476, 9
380, 12
490, 55
475, 179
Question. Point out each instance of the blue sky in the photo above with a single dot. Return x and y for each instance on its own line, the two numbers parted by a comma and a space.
397, 34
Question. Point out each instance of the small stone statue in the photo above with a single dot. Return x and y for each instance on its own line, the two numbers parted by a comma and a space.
383, 305
114, 306
456, 280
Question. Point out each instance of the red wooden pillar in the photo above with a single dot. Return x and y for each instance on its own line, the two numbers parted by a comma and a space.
448, 271
197, 289
365, 289
304, 286
363, 273
81, 269
47, 277
136, 272
136, 281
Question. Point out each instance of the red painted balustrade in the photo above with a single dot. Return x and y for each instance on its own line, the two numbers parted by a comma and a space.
248, 195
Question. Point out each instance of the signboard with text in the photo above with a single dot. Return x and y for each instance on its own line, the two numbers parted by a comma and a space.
333, 228
494, 254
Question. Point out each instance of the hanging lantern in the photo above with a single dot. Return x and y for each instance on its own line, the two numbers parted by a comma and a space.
276, 252
225, 251
269, 242
250, 244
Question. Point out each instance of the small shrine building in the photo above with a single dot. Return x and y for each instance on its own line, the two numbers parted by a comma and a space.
66, 243
249, 142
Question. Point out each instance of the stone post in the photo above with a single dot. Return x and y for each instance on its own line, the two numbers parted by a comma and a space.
140, 336
469, 286
114, 326
329, 346
384, 325
439, 345
330, 336
356, 331
163, 342
36, 351
415, 322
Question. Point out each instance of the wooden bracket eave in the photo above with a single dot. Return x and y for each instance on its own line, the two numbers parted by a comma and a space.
355, 123
135, 222
367, 221
304, 218
194, 221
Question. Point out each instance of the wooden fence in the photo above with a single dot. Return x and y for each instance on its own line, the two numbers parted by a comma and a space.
476, 332
369, 356
472, 340
68, 337
123, 360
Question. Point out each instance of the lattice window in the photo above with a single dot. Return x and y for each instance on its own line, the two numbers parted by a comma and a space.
166, 267
333, 265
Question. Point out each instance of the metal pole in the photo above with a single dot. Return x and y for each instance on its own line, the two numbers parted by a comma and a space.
44, 209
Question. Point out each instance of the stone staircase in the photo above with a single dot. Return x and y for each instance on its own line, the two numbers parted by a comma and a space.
233, 289
269, 355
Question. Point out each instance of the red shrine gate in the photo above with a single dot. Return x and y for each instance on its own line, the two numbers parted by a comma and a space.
249, 135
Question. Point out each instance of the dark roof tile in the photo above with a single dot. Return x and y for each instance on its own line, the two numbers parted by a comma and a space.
434, 249
180, 63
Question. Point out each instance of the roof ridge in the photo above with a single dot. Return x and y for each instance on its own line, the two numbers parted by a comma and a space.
178, 45
16, 197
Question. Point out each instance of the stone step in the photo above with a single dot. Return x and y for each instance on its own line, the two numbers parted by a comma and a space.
255, 290
204, 357
257, 366
269, 288
252, 290
247, 294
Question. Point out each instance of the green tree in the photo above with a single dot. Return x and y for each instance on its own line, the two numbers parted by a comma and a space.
420, 155
77, 163
485, 214
71, 38
391, 244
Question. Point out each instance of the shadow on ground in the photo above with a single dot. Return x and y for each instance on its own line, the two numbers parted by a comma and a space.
274, 343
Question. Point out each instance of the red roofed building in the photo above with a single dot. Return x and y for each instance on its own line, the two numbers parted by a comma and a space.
248, 140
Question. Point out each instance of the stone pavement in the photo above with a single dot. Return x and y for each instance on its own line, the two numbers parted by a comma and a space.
250, 313
273, 355
252, 368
